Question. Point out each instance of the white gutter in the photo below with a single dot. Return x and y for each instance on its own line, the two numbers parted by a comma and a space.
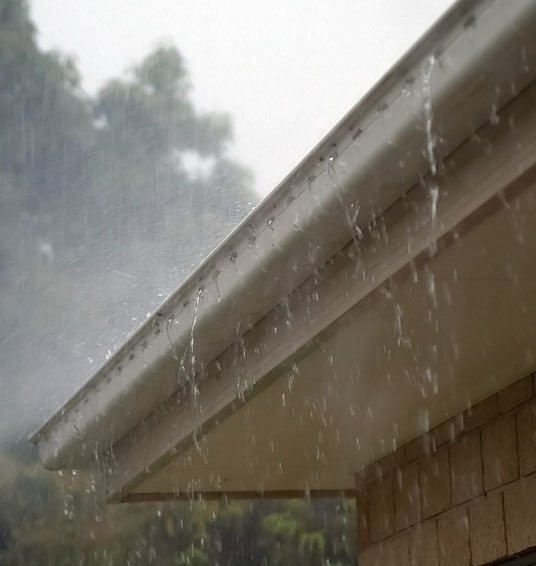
467, 66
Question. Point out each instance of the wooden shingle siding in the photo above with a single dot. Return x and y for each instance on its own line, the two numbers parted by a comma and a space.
463, 494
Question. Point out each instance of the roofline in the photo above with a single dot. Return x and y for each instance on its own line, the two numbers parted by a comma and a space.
340, 172
240, 495
474, 191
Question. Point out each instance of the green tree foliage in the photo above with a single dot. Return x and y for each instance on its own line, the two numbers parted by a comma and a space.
48, 519
45, 126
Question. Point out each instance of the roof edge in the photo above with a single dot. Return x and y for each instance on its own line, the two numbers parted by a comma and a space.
333, 178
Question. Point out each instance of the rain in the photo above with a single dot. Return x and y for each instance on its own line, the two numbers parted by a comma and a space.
266, 288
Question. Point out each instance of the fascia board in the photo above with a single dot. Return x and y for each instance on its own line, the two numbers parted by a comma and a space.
472, 61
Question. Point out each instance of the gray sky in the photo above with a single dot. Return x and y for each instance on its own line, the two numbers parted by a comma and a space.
286, 70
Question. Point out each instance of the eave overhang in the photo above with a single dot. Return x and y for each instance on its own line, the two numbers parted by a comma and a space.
456, 78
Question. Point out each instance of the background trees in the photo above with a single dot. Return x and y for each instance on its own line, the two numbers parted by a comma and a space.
107, 203
48, 519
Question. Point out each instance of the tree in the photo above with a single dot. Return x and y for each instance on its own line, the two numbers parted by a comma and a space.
45, 122
5, 534
100, 215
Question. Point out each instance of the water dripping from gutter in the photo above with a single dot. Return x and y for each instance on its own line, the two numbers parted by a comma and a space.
351, 210
171, 346
428, 114
215, 275
194, 389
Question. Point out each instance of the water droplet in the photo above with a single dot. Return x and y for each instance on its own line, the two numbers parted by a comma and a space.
428, 114
357, 133
252, 235
434, 196
424, 421
469, 21
494, 117
383, 107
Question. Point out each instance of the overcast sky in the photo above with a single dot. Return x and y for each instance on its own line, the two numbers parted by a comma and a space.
286, 70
